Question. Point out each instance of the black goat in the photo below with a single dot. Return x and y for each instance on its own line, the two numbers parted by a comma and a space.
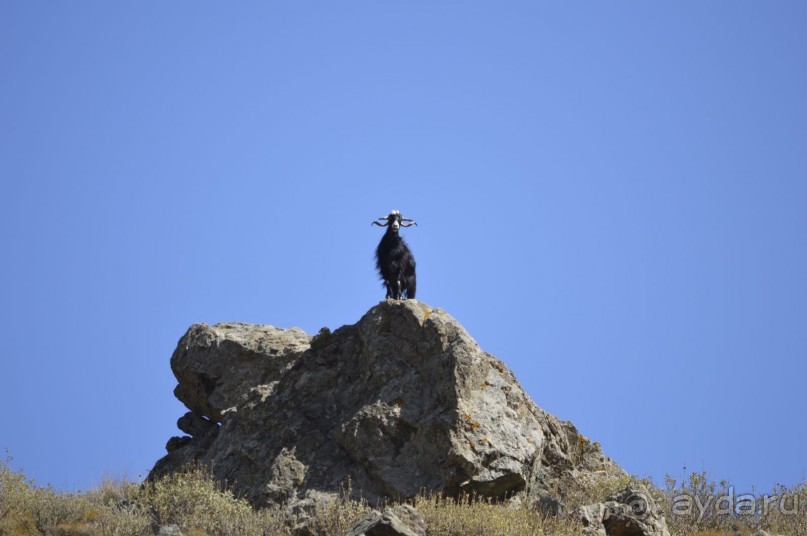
394, 261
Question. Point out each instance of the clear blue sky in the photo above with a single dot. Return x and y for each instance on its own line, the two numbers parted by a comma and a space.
611, 197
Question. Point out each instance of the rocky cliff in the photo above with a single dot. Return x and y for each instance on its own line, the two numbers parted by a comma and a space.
400, 403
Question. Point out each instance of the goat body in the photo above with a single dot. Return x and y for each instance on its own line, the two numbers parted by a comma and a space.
395, 261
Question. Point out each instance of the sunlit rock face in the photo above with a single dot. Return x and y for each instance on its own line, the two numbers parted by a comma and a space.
400, 403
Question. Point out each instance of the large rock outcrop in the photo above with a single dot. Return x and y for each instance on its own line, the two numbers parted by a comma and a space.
400, 403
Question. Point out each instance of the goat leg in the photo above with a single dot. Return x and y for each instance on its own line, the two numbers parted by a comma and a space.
388, 284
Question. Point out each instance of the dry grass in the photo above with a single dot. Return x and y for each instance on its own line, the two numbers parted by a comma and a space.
337, 517
200, 507
475, 516
701, 506
193, 501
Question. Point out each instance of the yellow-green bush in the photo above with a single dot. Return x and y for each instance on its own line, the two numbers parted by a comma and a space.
191, 500
26, 508
476, 516
194, 500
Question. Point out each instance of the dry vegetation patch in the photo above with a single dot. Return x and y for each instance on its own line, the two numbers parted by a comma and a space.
201, 507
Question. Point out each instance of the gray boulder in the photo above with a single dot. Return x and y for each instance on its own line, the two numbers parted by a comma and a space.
169, 530
402, 520
631, 512
400, 403
301, 514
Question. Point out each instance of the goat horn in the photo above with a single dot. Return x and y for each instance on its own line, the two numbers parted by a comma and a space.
410, 225
379, 224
